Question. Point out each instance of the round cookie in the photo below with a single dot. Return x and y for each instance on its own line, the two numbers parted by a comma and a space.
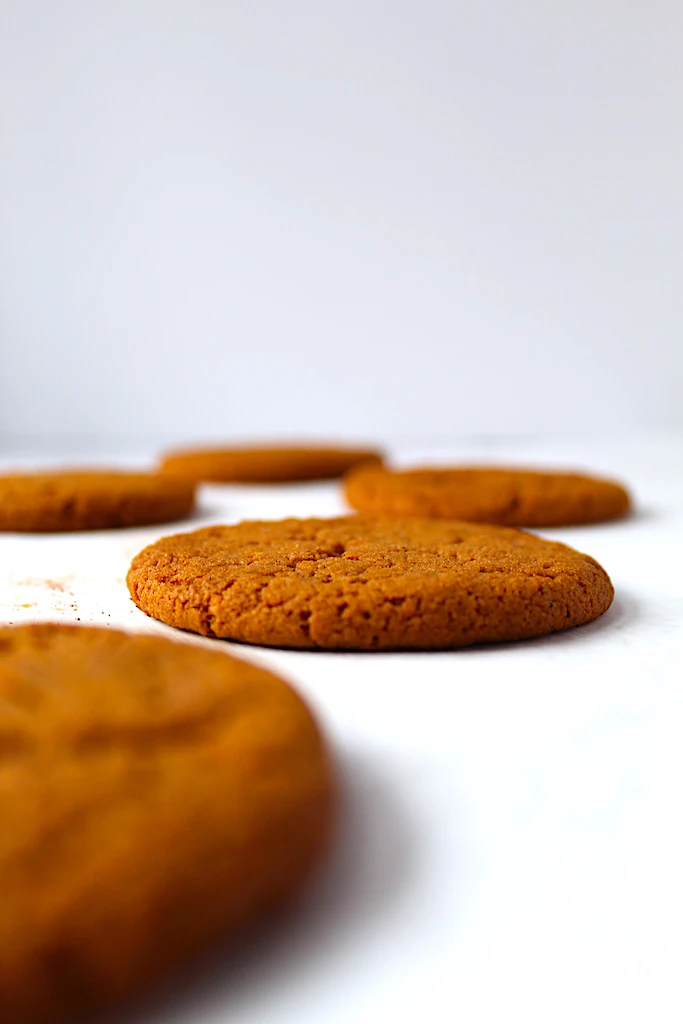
357, 583
510, 497
265, 465
154, 797
66, 500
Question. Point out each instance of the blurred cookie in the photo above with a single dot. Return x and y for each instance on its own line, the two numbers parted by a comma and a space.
265, 465
359, 583
154, 797
65, 500
511, 497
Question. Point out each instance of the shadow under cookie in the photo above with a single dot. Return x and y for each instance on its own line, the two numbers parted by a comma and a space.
377, 862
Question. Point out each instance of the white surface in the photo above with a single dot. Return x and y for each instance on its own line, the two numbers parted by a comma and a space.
382, 216
512, 843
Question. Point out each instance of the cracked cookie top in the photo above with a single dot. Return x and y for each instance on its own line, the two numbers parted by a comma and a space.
360, 583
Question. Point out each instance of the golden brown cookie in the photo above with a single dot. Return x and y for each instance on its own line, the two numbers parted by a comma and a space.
358, 583
510, 497
265, 465
65, 500
154, 797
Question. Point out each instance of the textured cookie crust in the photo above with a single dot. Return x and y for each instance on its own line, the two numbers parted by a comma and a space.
153, 797
510, 497
55, 502
257, 465
367, 584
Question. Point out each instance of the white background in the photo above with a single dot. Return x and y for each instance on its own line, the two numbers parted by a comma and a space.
319, 218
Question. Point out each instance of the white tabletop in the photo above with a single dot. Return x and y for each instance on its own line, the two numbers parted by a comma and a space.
512, 846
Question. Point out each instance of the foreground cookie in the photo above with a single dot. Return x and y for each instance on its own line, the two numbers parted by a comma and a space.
52, 502
361, 583
254, 465
154, 797
510, 497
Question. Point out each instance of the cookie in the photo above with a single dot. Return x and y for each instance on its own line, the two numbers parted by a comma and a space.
268, 465
65, 500
510, 497
358, 583
154, 797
